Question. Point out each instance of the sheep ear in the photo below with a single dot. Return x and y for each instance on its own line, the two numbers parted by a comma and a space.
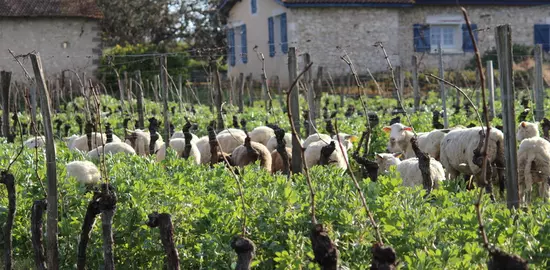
386, 129
379, 156
408, 129
398, 155
445, 130
353, 138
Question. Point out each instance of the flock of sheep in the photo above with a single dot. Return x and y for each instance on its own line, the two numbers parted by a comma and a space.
451, 152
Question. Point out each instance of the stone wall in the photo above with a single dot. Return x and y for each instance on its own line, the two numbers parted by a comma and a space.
521, 19
321, 32
63, 43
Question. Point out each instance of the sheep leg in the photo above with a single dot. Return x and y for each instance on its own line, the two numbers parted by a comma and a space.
528, 178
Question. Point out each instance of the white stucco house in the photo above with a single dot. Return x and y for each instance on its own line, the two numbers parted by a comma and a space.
66, 33
325, 28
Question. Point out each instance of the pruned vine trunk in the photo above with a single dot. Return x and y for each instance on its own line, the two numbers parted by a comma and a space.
281, 149
164, 223
107, 205
324, 250
37, 221
245, 250
9, 180
383, 258
423, 165
89, 220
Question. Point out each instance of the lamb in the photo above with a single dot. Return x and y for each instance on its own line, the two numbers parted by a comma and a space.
80, 143
527, 130
313, 155
141, 141
250, 152
277, 160
112, 148
261, 134
35, 142
533, 167
409, 170
85, 172
400, 141
457, 151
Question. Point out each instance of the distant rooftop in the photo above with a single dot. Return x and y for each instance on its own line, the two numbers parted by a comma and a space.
50, 8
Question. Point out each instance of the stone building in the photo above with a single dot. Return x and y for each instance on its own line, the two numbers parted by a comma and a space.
66, 33
327, 29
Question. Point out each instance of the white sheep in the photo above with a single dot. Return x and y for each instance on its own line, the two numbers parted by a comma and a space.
228, 141
272, 143
527, 130
80, 143
35, 142
313, 155
400, 141
457, 151
178, 144
85, 172
346, 139
261, 134
112, 148
533, 168
180, 134
409, 170
142, 141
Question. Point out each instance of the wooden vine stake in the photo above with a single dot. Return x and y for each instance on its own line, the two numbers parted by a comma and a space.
498, 258
52, 243
164, 223
324, 250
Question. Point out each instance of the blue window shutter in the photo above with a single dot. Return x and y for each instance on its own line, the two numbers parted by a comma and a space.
244, 49
467, 44
253, 6
421, 38
271, 36
284, 35
231, 44
542, 36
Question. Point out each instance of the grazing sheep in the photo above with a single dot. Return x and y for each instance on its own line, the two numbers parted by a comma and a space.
261, 134
313, 155
409, 170
250, 152
346, 139
80, 143
272, 143
180, 134
400, 141
277, 160
178, 144
112, 148
527, 130
85, 172
533, 168
35, 142
457, 151
228, 141
142, 141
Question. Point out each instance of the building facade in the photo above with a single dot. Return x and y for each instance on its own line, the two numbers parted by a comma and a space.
67, 35
327, 30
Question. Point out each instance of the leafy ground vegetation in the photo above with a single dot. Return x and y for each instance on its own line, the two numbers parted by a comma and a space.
441, 233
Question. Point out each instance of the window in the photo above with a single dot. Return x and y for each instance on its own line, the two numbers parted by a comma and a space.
449, 31
277, 34
542, 36
253, 6
237, 43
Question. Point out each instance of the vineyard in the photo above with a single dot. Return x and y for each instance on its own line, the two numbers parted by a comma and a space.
220, 214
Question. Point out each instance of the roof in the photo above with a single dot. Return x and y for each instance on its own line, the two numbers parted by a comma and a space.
484, 2
50, 8
228, 4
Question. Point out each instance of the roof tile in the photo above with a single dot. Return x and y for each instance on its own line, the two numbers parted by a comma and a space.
348, 1
50, 8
